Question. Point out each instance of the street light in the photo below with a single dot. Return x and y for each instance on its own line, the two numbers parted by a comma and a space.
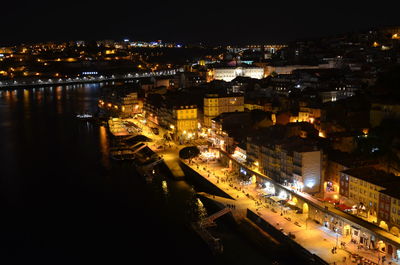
337, 236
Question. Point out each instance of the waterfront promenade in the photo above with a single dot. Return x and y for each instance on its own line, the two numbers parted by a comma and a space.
314, 237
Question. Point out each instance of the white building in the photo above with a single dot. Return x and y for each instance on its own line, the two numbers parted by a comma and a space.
230, 73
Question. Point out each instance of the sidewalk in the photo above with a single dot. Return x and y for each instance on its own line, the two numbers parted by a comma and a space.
312, 236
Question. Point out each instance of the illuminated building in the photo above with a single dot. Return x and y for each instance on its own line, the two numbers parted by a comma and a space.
292, 161
184, 120
337, 162
362, 186
229, 73
389, 210
215, 104
120, 103
175, 113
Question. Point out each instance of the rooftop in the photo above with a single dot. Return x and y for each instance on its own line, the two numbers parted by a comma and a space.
372, 175
393, 191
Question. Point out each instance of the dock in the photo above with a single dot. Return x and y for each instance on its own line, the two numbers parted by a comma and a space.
175, 169
172, 162
201, 226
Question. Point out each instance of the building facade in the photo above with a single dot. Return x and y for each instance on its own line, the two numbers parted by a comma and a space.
215, 104
230, 73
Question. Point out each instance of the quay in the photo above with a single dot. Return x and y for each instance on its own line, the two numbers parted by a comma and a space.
297, 229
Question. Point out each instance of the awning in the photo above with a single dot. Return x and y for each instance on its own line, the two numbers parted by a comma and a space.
276, 199
343, 207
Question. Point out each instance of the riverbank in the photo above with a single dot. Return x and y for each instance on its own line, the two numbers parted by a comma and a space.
295, 231
211, 177
249, 220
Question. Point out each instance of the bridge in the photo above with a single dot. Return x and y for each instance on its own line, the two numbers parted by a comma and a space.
209, 221
86, 79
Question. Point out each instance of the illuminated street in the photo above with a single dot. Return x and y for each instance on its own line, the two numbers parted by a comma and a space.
128, 128
314, 237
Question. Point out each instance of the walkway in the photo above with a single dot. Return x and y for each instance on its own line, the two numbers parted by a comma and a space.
314, 237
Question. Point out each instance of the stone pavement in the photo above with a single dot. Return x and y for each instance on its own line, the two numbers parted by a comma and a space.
312, 236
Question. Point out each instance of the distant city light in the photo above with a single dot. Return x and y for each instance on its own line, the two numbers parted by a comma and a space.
89, 73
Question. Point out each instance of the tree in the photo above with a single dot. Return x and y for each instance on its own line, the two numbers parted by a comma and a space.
189, 152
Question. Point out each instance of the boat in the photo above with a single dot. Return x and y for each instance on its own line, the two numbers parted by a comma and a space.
85, 116
122, 154
214, 243
145, 161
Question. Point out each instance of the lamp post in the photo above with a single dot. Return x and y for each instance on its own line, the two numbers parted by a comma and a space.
337, 239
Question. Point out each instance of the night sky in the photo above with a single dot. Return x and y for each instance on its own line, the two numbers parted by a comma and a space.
213, 22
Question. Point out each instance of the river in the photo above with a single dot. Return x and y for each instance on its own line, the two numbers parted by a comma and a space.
64, 202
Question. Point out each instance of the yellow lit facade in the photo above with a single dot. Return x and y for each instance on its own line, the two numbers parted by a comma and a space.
365, 192
184, 119
215, 104
121, 105
253, 106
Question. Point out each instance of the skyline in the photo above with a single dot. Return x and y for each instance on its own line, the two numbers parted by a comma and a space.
210, 23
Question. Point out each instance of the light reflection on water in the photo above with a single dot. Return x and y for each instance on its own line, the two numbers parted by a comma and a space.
104, 146
59, 105
164, 186
202, 212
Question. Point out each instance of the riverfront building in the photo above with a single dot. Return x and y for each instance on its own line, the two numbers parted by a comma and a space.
288, 154
296, 162
215, 104
389, 210
174, 113
362, 186
184, 122
121, 103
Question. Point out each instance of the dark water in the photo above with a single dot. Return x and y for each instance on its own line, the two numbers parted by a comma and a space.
64, 202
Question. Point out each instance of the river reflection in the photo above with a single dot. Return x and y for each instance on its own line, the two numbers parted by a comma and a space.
67, 203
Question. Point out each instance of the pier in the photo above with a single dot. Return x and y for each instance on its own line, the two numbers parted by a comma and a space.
201, 226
